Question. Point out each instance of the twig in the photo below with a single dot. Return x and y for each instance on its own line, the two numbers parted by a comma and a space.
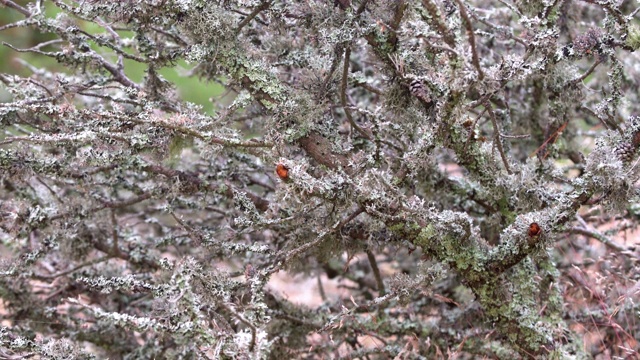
552, 139
398, 14
435, 20
365, 307
440, 47
323, 295
246, 322
47, 43
50, 189
472, 39
253, 14
472, 129
11, 4
620, 19
501, 29
334, 65
33, 49
362, 7
587, 73
343, 93
515, 136
106, 205
253, 143
600, 237
118, 74
194, 181
376, 272
370, 88
603, 121
114, 232
319, 239
161, 123
496, 136
80, 266
17, 24
595, 234
113, 47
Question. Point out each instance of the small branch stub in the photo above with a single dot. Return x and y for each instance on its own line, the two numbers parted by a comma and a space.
282, 171
534, 229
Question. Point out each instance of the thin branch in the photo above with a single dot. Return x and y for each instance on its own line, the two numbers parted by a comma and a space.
586, 74
600, 237
332, 69
376, 272
472, 39
17, 24
398, 14
287, 257
552, 139
370, 88
254, 181
472, 130
114, 232
253, 14
435, 20
343, 93
74, 269
362, 7
615, 11
515, 136
501, 30
496, 136
359, 308
323, 295
246, 322
105, 205
595, 234
604, 122
11, 4
50, 189
177, 38
195, 183
253, 143
113, 47
47, 43
118, 74
433, 46
31, 49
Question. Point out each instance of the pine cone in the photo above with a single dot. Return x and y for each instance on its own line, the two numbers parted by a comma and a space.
625, 151
418, 90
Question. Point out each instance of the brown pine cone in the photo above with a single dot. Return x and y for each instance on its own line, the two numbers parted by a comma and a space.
418, 90
625, 151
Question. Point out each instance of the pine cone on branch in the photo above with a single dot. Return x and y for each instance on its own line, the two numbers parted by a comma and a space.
625, 151
418, 90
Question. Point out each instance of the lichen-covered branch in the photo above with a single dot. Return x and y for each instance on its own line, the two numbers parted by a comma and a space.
168, 168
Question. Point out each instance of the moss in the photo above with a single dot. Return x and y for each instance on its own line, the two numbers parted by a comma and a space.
503, 207
633, 37
426, 236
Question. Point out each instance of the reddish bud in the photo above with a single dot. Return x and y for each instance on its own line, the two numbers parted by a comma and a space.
534, 229
282, 171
